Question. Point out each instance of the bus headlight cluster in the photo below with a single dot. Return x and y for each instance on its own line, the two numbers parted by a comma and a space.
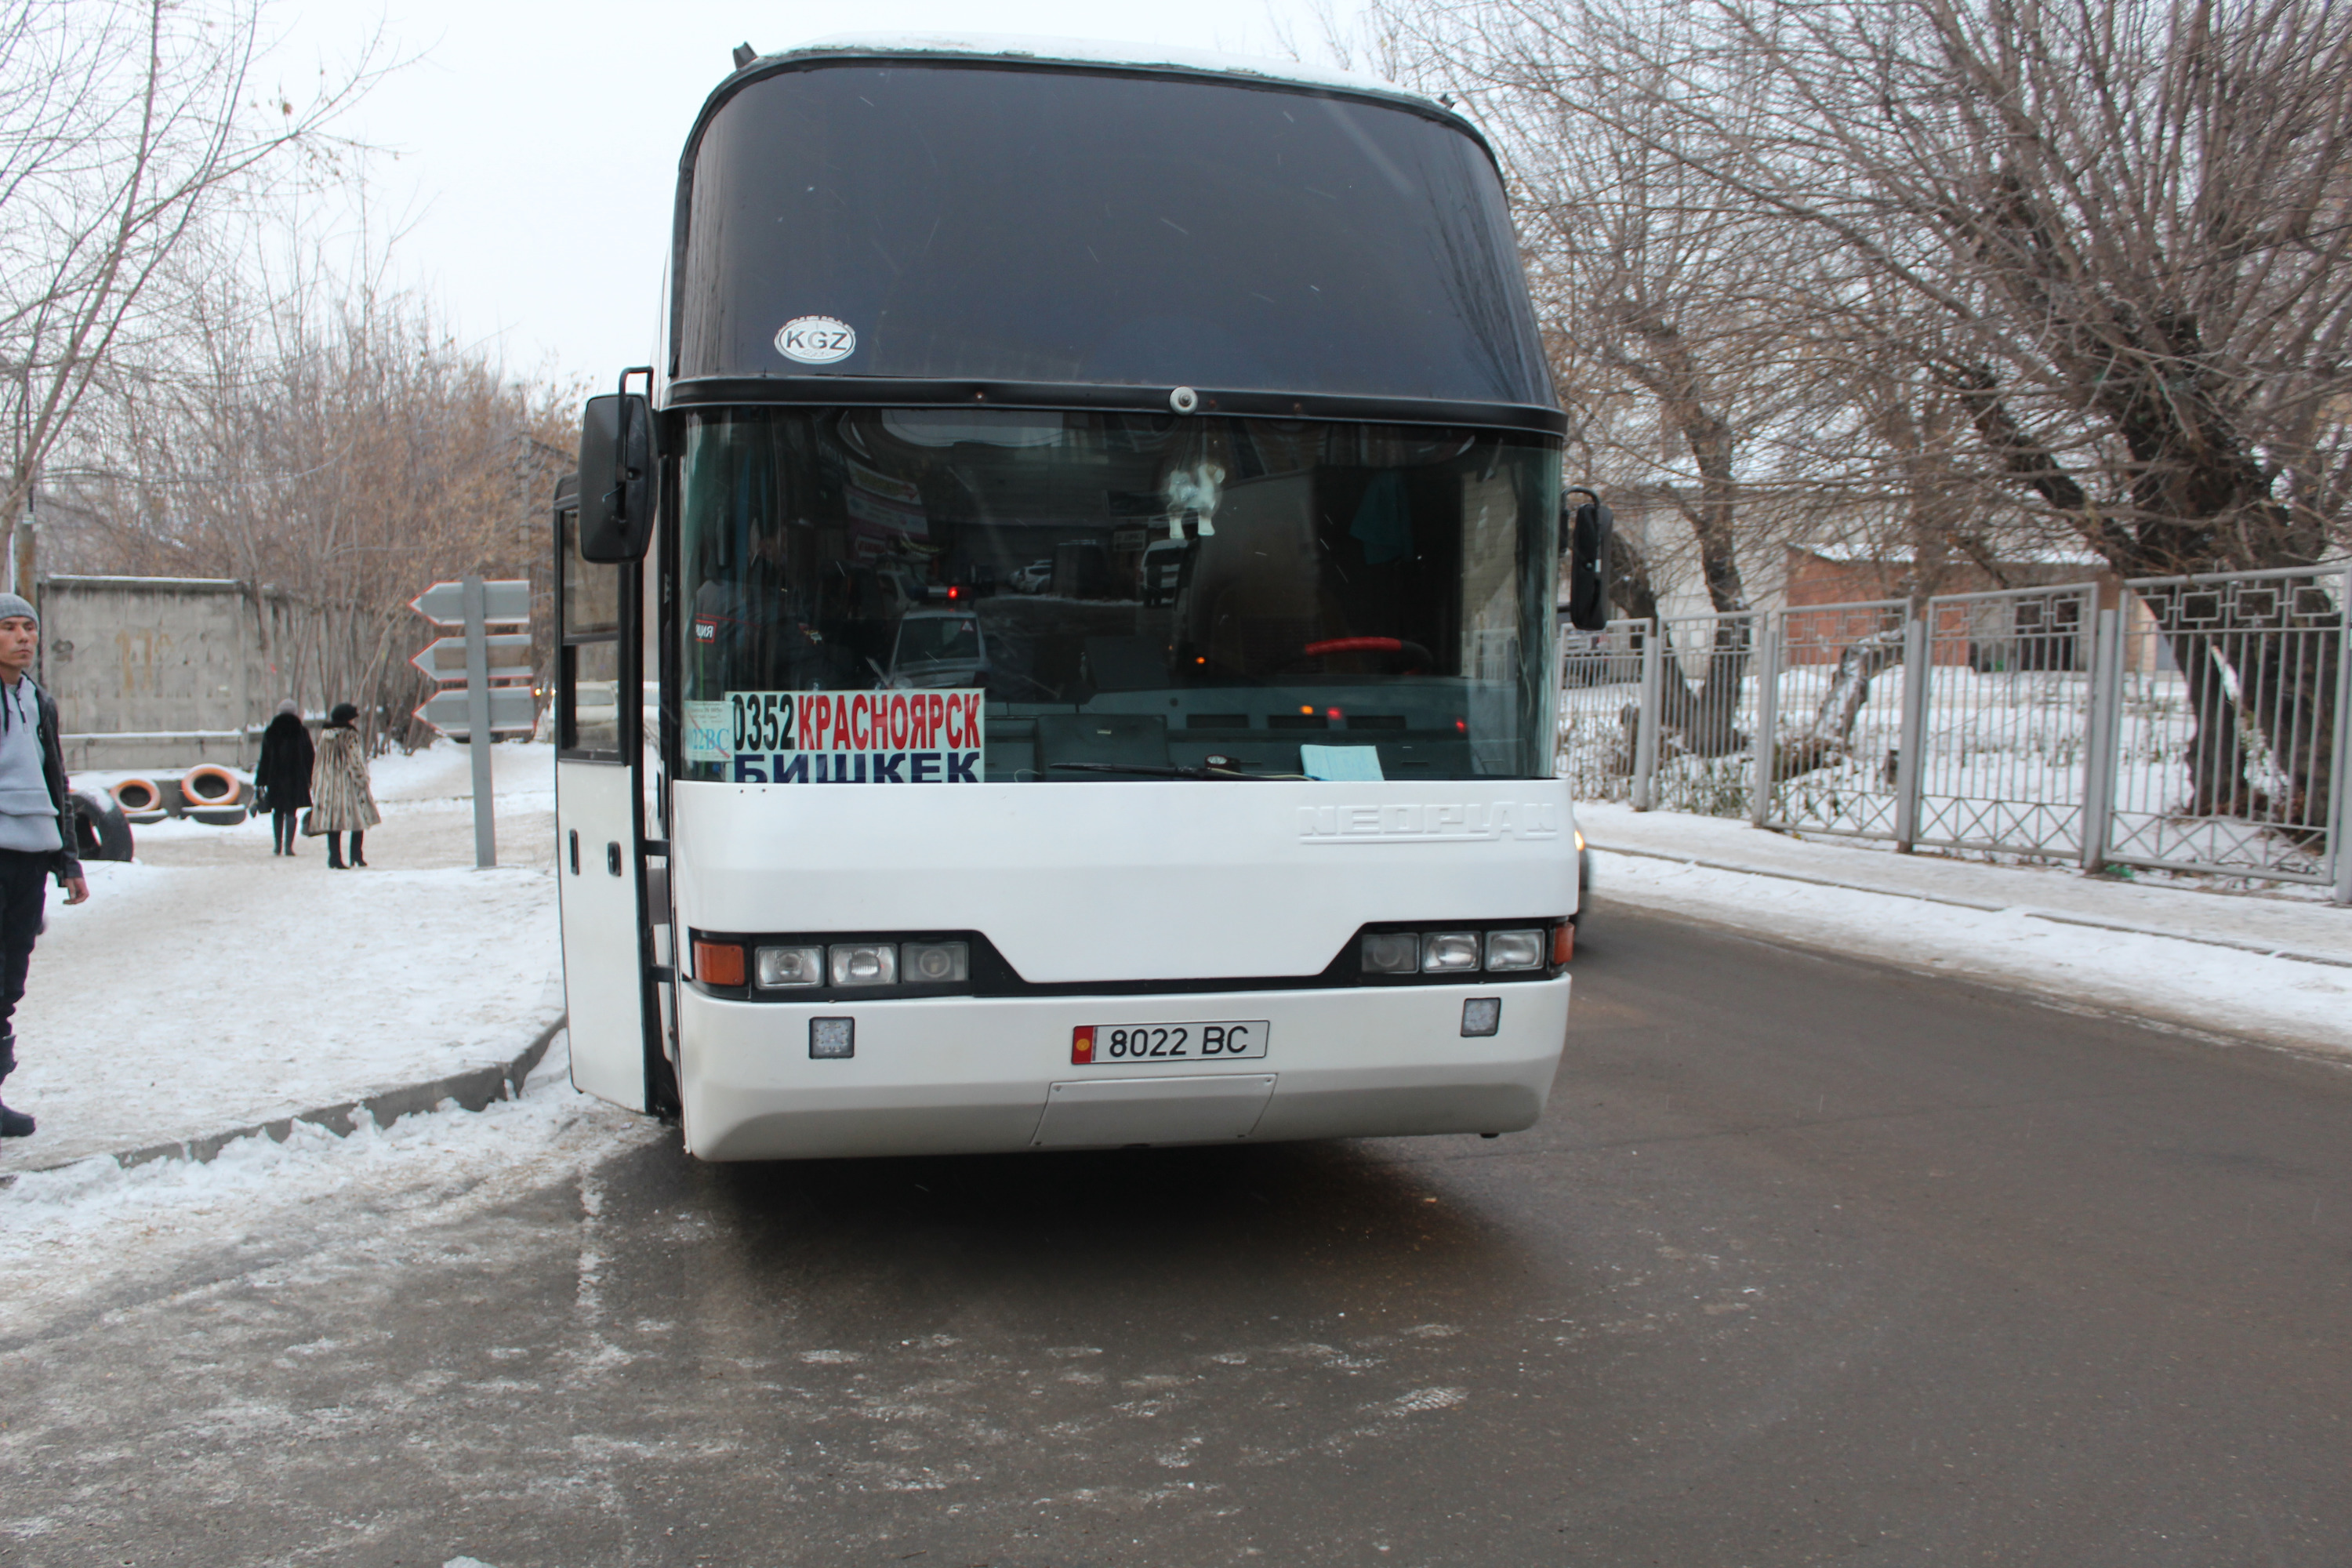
1454, 952
852, 964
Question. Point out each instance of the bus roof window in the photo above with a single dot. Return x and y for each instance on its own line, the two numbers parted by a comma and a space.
845, 218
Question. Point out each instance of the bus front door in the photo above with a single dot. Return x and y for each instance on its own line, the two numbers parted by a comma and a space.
600, 859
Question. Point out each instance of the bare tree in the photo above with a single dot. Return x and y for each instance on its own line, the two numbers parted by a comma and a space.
336, 451
2126, 226
2079, 261
125, 127
2135, 220
1648, 286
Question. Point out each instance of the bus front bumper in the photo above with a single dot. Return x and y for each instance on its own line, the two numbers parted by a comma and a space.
965, 1075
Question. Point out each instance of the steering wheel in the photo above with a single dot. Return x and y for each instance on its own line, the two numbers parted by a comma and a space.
1416, 657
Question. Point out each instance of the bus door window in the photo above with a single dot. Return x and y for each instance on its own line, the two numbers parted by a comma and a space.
588, 705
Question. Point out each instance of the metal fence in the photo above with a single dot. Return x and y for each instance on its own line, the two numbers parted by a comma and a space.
2005, 741
1600, 691
2195, 724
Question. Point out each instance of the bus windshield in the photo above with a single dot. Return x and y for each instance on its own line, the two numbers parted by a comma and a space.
1128, 596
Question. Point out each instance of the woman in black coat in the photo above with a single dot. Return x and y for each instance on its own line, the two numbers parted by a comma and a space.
283, 775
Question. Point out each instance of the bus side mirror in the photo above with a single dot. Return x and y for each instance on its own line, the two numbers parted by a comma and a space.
1585, 534
616, 483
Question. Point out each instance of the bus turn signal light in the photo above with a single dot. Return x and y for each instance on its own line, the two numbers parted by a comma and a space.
1563, 942
718, 963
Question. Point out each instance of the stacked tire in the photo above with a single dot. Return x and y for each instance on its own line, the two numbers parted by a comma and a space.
212, 793
209, 792
99, 825
145, 799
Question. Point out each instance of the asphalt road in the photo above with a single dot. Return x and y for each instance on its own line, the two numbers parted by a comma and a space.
1813, 1261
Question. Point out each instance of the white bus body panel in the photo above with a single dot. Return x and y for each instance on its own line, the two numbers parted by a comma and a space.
1117, 883
963, 1075
1124, 881
603, 987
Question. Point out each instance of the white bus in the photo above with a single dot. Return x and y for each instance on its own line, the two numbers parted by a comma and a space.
1236, 822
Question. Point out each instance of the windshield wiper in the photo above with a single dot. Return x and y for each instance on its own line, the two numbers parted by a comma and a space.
1131, 769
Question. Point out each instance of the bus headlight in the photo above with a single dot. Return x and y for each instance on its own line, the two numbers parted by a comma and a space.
935, 962
1514, 950
1443, 950
1392, 952
777, 967
865, 963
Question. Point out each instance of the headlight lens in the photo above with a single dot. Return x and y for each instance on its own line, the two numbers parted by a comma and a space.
935, 962
1515, 949
1392, 952
1447, 950
865, 963
777, 967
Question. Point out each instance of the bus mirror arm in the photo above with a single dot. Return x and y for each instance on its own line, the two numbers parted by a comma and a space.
1584, 534
617, 490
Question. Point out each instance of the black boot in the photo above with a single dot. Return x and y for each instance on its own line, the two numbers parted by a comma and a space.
334, 855
357, 859
14, 1123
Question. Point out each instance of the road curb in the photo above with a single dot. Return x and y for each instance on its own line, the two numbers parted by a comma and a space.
2056, 917
472, 1090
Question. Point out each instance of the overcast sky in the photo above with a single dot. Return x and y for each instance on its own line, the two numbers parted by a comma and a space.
532, 150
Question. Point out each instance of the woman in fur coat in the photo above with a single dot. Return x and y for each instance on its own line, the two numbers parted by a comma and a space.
341, 800
283, 773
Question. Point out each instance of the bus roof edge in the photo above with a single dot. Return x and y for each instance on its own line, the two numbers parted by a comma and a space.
1044, 49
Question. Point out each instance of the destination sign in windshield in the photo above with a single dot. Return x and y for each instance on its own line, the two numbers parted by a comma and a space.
840, 737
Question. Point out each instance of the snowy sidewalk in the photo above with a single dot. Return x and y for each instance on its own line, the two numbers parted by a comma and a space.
211, 985
2145, 950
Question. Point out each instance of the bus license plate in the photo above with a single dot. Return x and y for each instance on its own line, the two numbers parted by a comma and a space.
1121, 1044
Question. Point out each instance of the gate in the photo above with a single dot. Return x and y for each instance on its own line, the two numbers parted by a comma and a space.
2230, 740
1835, 735
1702, 686
1601, 709
2006, 728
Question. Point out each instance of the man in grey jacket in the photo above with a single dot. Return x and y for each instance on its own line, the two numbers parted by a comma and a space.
37, 823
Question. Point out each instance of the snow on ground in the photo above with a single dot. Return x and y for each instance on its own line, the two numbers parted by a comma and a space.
2167, 977
210, 985
68, 1234
444, 772
2291, 916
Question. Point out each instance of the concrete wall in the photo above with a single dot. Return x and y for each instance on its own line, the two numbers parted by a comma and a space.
154, 672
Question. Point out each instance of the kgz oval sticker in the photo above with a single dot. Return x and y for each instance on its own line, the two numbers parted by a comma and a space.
816, 339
